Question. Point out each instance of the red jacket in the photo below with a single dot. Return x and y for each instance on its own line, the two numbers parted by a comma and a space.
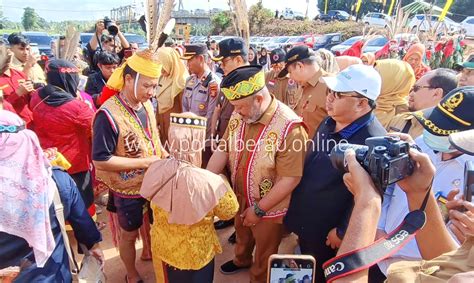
68, 128
9, 83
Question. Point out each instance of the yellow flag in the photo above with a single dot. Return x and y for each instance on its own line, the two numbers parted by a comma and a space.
359, 2
445, 10
391, 7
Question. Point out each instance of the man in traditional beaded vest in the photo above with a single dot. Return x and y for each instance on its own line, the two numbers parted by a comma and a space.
264, 146
125, 143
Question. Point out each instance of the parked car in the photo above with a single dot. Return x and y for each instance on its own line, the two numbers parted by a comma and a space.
375, 44
468, 26
334, 15
42, 39
136, 38
376, 20
277, 42
345, 45
289, 14
421, 23
308, 40
327, 41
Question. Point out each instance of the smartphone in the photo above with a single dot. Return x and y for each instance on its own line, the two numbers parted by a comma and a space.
291, 269
441, 201
468, 181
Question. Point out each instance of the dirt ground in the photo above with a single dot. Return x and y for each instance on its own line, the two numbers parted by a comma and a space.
115, 271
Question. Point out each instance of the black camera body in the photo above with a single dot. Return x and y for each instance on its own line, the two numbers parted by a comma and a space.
110, 26
386, 159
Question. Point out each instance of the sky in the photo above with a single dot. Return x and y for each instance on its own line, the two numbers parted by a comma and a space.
60, 10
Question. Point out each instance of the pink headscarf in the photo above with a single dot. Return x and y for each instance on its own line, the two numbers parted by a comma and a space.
26, 188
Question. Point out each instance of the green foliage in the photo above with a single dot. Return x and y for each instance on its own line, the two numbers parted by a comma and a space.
201, 29
220, 22
30, 19
258, 17
277, 27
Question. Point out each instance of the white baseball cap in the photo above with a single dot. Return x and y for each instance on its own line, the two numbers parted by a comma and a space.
463, 141
364, 80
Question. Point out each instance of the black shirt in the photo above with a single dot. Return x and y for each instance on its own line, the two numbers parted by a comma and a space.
321, 201
105, 137
94, 85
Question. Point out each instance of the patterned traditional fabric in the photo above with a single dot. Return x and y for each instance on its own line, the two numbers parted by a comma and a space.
26, 189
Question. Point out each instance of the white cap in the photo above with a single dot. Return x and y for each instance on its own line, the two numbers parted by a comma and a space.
364, 80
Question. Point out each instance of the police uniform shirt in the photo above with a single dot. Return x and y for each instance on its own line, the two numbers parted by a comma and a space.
200, 96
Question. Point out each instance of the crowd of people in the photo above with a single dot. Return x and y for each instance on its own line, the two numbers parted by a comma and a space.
183, 136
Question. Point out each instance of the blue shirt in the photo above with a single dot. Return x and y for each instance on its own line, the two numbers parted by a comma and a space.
321, 201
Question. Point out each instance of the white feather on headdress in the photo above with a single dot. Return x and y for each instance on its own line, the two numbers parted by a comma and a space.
156, 20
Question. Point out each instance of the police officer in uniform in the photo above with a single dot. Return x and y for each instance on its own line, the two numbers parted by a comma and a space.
201, 90
284, 89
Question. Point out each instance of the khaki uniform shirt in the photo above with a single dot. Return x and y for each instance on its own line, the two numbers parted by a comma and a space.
406, 123
284, 89
312, 105
36, 73
289, 162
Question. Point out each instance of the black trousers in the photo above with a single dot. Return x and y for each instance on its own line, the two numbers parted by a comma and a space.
203, 275
321, 253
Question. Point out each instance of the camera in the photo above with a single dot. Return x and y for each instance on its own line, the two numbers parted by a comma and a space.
386, 159
110, 26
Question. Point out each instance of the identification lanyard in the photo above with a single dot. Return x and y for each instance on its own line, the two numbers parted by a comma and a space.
360, 259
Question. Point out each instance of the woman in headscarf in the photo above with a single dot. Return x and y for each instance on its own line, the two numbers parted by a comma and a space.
30, 234
264, 59
345, 61
171, 85
397, 81
368, 59
327, 61
252, 56
414, 57
65, 122
184, 199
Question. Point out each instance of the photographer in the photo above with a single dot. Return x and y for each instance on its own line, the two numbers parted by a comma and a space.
447, 160
433, 239
102, 42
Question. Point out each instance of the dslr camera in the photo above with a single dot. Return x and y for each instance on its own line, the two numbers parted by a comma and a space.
110, 26
386, 159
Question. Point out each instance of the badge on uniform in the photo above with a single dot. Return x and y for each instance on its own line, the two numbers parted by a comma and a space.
233, 124
202, 106
265, 187
213, 89
291, 82
271, 83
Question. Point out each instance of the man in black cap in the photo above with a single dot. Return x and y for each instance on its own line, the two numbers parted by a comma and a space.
233, 54
201, 89
263, 171
453, 114
284, 88
301, 64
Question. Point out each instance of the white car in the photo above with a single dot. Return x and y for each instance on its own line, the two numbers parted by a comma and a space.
468, 26
289, 14
421, 23
376, 19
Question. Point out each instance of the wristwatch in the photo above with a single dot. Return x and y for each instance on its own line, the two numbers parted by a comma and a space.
258, 211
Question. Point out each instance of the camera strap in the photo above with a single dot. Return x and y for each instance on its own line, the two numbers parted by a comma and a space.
360, 259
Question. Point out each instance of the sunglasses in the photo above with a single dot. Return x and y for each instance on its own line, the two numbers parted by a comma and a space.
340, 94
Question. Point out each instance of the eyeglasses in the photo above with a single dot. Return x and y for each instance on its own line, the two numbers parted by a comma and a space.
416, 88
338, 94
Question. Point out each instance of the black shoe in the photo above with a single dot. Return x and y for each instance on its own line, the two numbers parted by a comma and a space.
221, 224
230, 268
232, 239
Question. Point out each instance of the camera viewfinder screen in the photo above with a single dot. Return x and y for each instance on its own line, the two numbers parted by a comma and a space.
291, 270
